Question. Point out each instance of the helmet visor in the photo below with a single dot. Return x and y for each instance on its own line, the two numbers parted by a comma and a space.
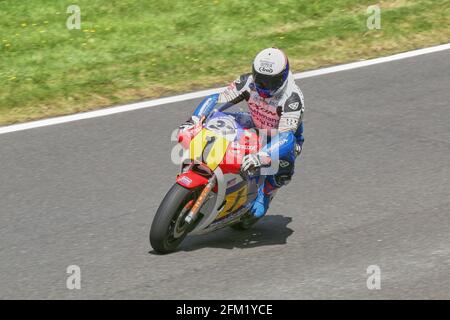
268, 82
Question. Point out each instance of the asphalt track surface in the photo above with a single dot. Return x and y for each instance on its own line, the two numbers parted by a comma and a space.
371, 188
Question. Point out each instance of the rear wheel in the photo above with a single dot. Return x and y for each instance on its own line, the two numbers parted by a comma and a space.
247, 221
169, 227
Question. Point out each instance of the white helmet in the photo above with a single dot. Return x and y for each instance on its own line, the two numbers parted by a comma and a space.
270, 71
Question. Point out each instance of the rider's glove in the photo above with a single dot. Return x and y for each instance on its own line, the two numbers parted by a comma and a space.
255, 160
192, 122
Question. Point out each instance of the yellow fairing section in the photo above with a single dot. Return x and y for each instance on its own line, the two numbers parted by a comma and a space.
234, 201
216, 152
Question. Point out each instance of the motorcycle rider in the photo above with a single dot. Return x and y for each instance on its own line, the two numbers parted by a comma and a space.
275, 102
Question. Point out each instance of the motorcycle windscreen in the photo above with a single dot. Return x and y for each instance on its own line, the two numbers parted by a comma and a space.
209, 148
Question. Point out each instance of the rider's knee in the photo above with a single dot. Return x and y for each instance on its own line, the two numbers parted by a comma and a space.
282, 179
284, 174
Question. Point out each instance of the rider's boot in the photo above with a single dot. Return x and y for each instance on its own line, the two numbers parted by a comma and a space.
266, 193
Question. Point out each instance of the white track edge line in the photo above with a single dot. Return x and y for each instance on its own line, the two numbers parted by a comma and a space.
203, 93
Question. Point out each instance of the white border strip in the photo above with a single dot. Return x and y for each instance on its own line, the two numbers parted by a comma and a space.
203, 93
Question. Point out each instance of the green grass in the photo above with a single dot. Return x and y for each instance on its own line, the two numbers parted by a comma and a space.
131, 50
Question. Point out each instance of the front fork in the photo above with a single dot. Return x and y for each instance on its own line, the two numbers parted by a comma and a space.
201, 199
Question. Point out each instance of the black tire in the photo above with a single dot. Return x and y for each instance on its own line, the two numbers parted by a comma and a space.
167, 219
245, 224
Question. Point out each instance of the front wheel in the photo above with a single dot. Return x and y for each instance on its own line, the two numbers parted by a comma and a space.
169, 227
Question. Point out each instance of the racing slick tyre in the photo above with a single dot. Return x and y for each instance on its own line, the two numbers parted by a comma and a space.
247, 221
169, 227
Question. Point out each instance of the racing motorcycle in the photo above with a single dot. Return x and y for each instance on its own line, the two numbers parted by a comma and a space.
210, 191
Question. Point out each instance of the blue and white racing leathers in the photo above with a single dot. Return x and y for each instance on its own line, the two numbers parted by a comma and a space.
281, 115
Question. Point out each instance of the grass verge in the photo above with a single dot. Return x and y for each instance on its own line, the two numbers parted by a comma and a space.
131, 50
